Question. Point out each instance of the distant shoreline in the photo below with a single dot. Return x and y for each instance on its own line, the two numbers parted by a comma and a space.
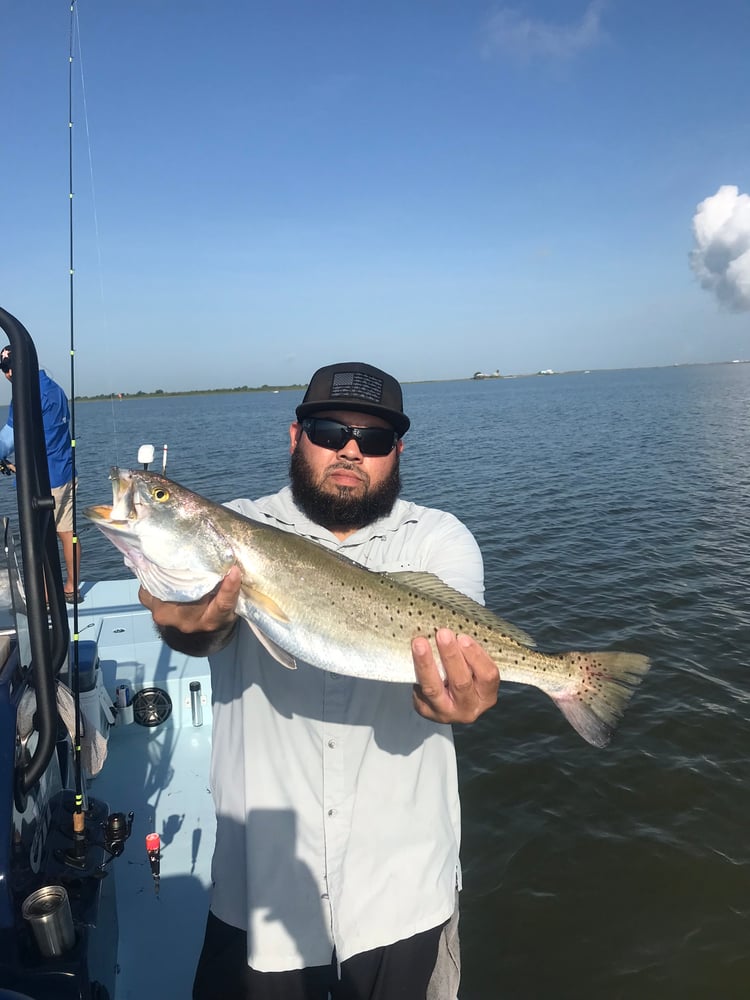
161, 393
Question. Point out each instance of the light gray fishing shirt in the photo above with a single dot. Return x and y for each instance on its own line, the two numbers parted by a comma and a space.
338, 819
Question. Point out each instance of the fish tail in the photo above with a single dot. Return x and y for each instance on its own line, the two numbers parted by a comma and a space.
603, 684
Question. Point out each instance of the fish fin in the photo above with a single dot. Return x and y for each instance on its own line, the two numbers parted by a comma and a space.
279, 654
264, 603
432, 586
601, 693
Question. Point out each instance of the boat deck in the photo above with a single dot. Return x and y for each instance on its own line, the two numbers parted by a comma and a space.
161, 774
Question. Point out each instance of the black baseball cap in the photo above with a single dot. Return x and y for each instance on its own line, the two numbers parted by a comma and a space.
355, 386
6, 362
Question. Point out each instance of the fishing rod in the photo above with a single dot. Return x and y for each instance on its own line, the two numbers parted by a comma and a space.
118, 826
78, 851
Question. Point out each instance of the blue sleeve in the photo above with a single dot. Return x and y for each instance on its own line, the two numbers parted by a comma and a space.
7, 442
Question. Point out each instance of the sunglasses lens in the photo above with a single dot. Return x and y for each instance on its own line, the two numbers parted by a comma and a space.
326, 433
375, 441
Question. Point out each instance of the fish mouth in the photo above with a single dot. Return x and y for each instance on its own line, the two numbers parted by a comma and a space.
101, 512
121, 513
119, 522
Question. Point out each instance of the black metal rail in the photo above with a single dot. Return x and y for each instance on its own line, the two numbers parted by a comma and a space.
49, 633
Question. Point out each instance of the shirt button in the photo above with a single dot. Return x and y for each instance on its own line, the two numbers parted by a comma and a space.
332, 744
331, 812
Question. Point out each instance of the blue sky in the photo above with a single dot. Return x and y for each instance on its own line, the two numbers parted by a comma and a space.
433, 187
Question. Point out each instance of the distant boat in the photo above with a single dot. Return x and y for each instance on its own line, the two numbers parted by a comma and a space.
480, 375
546, 371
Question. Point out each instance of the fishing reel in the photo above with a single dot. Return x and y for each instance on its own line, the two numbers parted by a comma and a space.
6, 469
97, 838
117, 829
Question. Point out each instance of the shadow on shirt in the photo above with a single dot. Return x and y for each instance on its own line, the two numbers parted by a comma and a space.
301, 916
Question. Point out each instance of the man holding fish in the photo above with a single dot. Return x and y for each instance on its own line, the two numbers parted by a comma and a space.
336, 864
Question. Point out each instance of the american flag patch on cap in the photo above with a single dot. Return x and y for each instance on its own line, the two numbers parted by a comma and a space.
357, 385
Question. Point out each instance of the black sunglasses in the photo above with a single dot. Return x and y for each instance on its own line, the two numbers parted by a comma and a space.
334, 435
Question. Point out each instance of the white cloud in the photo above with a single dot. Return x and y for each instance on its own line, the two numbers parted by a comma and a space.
721, 257
511, 32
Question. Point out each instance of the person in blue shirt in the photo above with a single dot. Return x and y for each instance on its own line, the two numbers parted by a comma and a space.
56, 420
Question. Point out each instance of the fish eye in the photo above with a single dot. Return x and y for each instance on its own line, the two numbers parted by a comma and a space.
160, 494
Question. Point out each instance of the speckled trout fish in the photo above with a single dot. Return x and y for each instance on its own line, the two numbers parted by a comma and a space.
300, 599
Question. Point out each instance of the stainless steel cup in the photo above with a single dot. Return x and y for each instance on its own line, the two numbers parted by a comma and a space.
47, 911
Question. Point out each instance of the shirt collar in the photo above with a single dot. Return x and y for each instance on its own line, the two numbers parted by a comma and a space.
281, 508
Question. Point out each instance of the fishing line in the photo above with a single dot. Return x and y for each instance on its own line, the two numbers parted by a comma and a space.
94, 212
95, 215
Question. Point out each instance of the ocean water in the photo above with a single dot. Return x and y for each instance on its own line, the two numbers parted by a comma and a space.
613, 511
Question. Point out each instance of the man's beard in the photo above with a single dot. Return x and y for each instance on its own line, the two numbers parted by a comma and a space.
340, 509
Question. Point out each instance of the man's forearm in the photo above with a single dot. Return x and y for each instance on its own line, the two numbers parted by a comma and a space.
196, 643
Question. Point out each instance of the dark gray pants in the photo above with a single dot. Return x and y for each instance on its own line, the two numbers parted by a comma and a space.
400, 971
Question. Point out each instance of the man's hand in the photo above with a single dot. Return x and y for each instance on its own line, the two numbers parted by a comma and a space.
197, 627
471, 678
